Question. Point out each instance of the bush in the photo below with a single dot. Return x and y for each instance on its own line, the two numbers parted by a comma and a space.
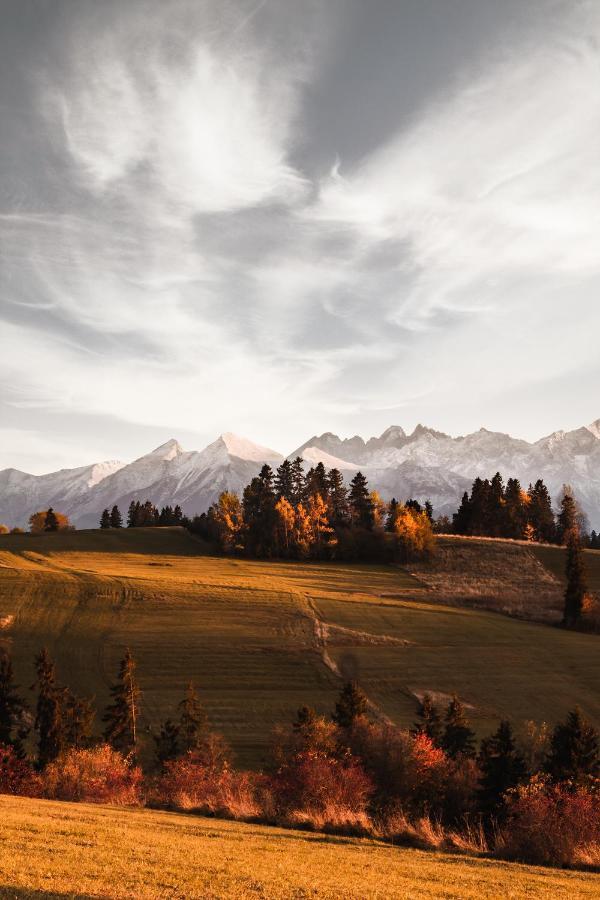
17, 776
551, 825
100, 775
191, 784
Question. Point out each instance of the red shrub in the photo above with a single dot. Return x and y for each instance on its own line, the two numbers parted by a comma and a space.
551, 825
17, 776
100, 775
189, 783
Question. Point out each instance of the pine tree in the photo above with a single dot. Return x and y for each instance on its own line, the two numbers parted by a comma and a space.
501, 765
49, 711
193, 720
361, 506
351, 704
122, 714
105, 519
576, 583
567, 517
495, 514
429, 510
177, 515
78, 720
337, 498
298, 481
574, 752
540, 512
12, 708
284, 481
479, 505
317, 483
458, 738
515, 510
51, 522
260, 515
116, 519
167, 742
429, 721
132, 514
461, 520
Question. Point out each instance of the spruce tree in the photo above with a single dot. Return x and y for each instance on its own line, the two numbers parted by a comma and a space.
429, 722
351, 704
78, 720
317, 483
284, 481
461, 520
361, 505
167, 742
515, 510
298, 481
567, 518
574, 753
337, 498
177, 515
540, 512
49, 711
193, 720
502, 767
51, 522
429, 510
576, 582
260, 515
122, 714
458, 738
116, 519
12, 708
105, 519
132, 514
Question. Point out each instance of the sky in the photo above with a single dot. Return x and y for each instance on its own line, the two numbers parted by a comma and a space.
280, 218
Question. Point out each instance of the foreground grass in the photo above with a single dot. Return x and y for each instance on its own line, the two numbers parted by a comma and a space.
260, 639
60, 849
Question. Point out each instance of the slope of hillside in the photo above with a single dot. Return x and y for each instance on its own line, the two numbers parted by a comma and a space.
61, 849
261, 639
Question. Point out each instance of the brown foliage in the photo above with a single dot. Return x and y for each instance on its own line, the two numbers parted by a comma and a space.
99, 775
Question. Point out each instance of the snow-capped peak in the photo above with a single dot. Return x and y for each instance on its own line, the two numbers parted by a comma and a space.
594, 428
102, 470
167, 451
314, 455
242, 448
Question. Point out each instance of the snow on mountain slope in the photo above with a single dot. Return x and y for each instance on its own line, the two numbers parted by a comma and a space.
423, 464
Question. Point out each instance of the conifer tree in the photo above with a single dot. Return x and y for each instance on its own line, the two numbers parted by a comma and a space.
567, 517
78, 720
515, 518
51, 522
116, 519
317, 483
429, 510
177, 515
105, 519
298, 481
132, 514
540, 512
479, 506
458, 738
502, 767
337, 498
461, 520
574, 753
260, 515
49, 712
12, 708
361, 506
167, 742
122, 714
193, 720
284, 481
495, 514
576, 582
351, 704
429, 722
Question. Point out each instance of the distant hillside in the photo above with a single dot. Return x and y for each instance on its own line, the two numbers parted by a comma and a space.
425, 464
261, 639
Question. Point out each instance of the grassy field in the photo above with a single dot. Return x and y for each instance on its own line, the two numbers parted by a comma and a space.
260, 639
56, 850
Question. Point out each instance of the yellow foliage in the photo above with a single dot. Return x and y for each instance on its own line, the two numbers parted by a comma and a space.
230, 520
414, 532
37, 521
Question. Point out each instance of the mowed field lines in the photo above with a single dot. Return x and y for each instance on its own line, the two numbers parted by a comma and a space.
261, 639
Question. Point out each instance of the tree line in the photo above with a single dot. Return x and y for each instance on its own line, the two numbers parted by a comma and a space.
531, 795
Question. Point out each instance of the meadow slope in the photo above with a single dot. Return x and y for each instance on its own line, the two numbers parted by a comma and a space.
58, 850
262, 638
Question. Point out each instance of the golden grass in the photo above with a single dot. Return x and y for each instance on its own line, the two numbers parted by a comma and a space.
50, 849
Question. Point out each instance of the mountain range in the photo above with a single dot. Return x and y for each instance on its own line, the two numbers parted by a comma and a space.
423, 464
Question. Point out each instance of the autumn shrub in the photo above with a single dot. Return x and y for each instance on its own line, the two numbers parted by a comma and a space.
190, 783
99, 775
17, 776
552, 824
